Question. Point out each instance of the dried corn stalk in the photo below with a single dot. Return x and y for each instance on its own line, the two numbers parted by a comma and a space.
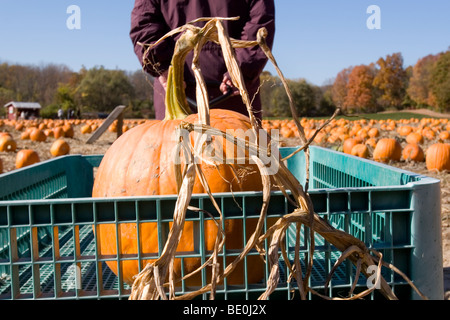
149, 284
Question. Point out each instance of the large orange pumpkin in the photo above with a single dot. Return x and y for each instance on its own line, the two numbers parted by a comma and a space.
413, 152
438, 157
59, 148
387, 149
26, 157
7, 143
140, 162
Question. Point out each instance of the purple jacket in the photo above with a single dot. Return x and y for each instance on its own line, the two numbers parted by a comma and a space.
152, 19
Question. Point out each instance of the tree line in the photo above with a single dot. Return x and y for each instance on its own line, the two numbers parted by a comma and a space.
383, 85
88, 91
387, 85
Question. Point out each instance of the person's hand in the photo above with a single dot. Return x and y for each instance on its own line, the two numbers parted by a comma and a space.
226, 84
163, 79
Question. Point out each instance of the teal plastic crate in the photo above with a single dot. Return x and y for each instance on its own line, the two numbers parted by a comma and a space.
48, 249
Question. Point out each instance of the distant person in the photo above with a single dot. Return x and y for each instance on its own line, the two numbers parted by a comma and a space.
60, 114
150, 20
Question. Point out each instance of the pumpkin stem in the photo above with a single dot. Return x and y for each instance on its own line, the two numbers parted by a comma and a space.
176, 102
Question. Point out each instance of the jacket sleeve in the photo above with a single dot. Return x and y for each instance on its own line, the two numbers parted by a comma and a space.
148, 26
253, 60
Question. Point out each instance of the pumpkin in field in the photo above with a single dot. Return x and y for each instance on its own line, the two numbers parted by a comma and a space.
360, 150
429, 134
113, 127
37, 135
58, 132
141, 162
26, 157
374, 133
404, 130
413, 152
7, 143
68, 130
387, 149
349, 144
25, 135
86, 129
438, 157
371, 142
415, 138
59, 148
287, 132
19, 126
444, 136
49, 133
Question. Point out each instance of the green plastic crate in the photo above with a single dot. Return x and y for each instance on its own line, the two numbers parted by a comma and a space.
48, 250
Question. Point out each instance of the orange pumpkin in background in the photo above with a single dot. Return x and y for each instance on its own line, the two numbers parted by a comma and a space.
37, 135
413, 152
374, 133
387, 149
7, 143
58, 132
414, 137
349, 144
86, 129
444, 136
372, 142
438, 157
26, 157
59, 148
360, 150
404, 130
68, 130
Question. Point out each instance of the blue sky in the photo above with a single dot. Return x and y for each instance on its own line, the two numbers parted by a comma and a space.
315, 39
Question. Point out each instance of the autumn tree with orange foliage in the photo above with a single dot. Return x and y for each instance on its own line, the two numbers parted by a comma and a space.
360, 92
419, 88
339, 88
390, 80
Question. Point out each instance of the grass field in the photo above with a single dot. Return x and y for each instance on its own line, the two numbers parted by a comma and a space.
394, 115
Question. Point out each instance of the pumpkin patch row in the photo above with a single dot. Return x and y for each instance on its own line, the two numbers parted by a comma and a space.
420, 140
60, 133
